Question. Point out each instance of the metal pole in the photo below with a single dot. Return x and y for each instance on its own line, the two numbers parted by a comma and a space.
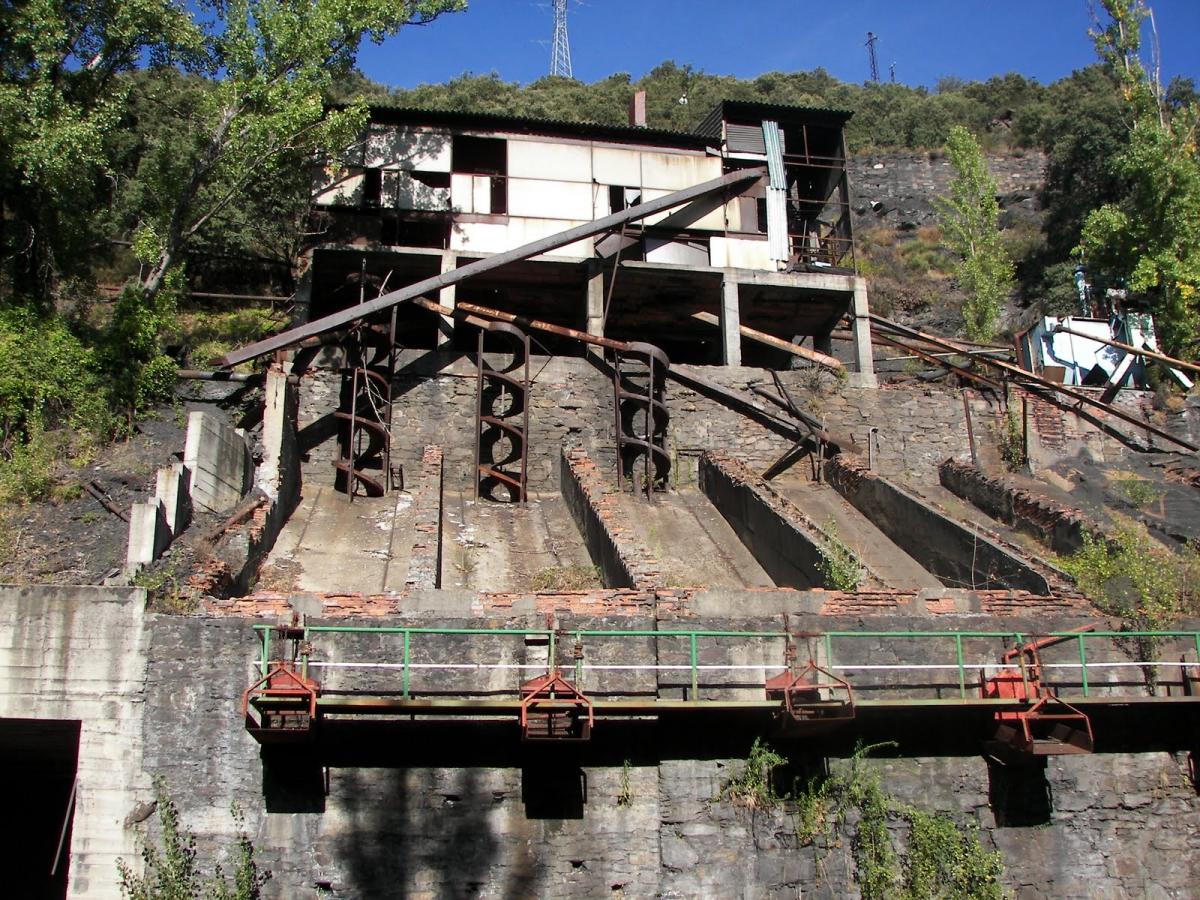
695, 671
962, 673
405, 676
1083, 665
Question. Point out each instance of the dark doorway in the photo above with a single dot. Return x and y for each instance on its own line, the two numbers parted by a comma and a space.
43, 755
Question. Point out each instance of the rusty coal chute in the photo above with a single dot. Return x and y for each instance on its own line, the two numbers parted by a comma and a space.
811, 695
554, 709
502, 415
639, 399
281, 706
1048, 726
365, 440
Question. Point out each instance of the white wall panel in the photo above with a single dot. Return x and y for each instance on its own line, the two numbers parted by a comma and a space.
523, 231
737, 253
549, 199
613, 166
674, 172
676, 252
400, 148
484, 237
551, 161
335, 186
402, 191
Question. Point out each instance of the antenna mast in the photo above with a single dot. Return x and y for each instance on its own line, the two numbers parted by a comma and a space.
560, 58
871, 39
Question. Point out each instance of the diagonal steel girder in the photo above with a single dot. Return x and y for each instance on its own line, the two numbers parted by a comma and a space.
741, 177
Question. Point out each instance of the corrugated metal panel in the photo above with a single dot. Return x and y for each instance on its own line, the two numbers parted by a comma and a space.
773, 141
745, 139
777, 233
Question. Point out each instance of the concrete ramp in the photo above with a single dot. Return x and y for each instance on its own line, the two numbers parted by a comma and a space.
881, 556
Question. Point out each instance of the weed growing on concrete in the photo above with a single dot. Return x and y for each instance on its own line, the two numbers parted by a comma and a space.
166, 591
1012, 441
839, 564
752, 787
1138, 491
573, 577
625, 787
1131, 575
171, 870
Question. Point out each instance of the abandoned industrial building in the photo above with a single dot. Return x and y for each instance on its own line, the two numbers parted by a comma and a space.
574, 476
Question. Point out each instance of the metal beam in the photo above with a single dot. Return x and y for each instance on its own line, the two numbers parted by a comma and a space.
1129, 348
770, 340
1028, 376
525, 251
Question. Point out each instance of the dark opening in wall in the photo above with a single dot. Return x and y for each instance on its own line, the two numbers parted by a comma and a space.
553, 788
1019, 795
41, 757
372, 188
479, 156
417, 233
293, 782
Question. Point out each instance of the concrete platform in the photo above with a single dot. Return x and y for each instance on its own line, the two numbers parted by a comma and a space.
821, 503
693, 541
331, 544
509, 547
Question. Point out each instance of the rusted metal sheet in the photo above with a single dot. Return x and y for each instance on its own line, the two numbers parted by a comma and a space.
344, 317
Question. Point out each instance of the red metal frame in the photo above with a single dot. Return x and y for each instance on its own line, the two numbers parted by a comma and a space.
553, 709
289, 694
1039, 730
799, 692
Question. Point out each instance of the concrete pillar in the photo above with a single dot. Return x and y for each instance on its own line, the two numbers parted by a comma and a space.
595, 302
148, 535
864, 357
731, 322
446, 297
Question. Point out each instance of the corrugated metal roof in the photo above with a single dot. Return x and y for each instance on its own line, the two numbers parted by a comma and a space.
710, 126
706, 132
535, 125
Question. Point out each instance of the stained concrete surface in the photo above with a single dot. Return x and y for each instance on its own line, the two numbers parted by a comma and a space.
693, 541
883, 559
504, 546
331, 544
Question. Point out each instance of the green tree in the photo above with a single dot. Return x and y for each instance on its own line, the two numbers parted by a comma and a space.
271, 62
970, 218
1150, 237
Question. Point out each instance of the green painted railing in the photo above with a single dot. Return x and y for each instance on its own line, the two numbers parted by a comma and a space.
693, 637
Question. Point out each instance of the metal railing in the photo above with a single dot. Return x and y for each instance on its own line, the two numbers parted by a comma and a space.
692, 638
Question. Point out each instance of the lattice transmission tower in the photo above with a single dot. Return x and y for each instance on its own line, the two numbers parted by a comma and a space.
560, 57
871, 39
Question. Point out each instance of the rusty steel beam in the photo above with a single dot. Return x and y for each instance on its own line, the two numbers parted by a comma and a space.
1028, 376
945, 363
770, 340
1129, 348
525, 251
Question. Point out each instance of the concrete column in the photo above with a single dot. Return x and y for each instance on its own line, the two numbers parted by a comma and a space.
731, 322
446, 297
864, 357
595, 302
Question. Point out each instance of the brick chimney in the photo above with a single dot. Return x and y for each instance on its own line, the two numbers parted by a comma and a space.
637, 110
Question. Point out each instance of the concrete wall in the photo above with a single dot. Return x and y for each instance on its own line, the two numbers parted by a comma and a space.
790, 554
957, 555
219, 459
79, 653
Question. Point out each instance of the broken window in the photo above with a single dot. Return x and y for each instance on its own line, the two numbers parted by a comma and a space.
484, 157
621, 197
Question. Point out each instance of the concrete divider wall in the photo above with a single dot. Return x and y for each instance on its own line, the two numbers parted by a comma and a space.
622, 561
952, 552
425, 563
783, 546
1059, 528
219, 460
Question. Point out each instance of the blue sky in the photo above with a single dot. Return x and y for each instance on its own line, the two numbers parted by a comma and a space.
927, 39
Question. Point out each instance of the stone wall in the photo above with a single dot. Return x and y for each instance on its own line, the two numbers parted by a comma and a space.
403, 824
572, 403
897, 189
